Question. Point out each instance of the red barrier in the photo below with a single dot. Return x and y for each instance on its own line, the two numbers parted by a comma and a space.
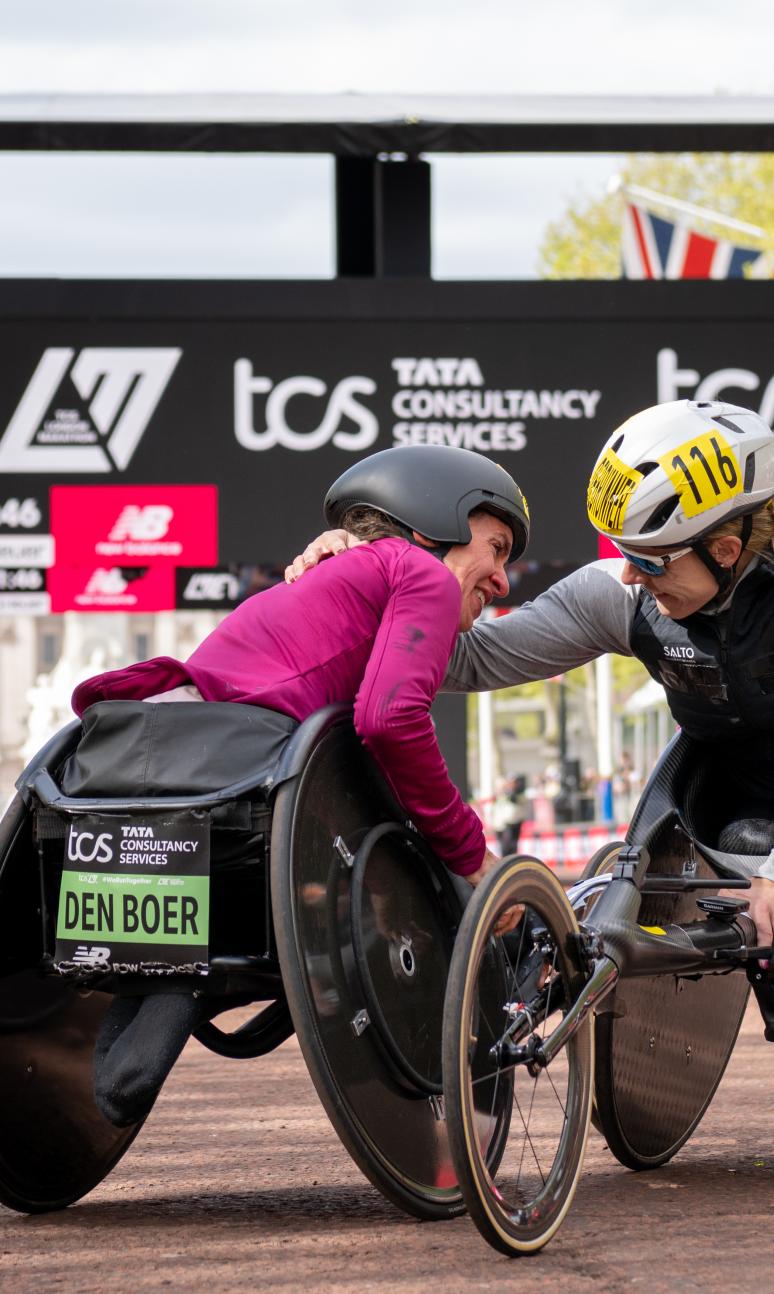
568, 849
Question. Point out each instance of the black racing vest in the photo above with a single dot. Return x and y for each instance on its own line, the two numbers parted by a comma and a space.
717, 671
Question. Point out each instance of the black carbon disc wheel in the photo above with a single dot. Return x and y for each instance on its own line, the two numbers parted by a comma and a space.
364, 969
55, 1146
662, 1042
518, 1196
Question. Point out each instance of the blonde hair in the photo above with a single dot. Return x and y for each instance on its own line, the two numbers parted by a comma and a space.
761, 540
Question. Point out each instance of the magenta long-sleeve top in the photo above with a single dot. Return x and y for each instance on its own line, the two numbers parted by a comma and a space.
376, 626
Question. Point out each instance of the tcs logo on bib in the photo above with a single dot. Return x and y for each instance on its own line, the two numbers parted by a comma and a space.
86, 847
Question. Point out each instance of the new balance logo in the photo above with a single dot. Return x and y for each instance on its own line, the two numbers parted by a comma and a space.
94, 956
120, 387
150, 522
140, 530
106, 587
106, 583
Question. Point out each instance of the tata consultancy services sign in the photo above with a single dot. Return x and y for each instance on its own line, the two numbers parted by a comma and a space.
265, 393
441, 400
269, 417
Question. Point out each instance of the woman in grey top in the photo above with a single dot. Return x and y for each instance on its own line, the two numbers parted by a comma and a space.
685, 490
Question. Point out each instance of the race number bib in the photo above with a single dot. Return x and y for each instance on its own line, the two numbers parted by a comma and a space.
135, 890
610, 489
703, 471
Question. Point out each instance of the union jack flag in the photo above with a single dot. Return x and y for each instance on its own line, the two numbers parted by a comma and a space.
654, 248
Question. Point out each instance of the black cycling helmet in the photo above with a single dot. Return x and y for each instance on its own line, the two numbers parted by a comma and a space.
432, 489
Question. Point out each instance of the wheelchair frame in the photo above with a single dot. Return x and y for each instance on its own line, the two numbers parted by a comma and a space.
335, 824
638, 1005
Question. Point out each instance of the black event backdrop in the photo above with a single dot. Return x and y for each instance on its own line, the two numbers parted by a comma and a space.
537, 375
269, 390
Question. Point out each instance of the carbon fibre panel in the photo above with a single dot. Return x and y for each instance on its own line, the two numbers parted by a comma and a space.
660, 1061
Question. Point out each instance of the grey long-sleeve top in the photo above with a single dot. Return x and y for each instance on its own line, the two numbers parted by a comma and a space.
588, 613
583, 616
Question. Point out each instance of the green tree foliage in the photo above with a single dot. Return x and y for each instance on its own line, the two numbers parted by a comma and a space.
584, 243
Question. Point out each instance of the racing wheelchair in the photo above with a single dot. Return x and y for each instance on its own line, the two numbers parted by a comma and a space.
229, 853
623, 999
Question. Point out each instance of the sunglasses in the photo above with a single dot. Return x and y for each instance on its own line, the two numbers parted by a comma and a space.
653, 565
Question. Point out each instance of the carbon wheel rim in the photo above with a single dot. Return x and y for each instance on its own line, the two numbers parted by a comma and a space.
519, 1198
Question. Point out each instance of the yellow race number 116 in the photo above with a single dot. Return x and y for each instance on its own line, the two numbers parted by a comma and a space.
703, 471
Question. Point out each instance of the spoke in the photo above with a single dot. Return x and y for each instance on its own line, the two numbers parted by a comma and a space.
545, 1021
529, 1117
497, 1035
493, 1073
513, 960
550, 983
525, 1123
513, 967
494, 1097
527, 1139
560, 1102
486, 1078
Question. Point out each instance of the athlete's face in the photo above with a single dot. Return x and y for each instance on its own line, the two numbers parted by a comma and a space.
686, 584
480, 565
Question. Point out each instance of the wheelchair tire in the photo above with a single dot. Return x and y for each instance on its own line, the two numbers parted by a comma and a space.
394, 1130
55, 1146
519, 1197
662, 1042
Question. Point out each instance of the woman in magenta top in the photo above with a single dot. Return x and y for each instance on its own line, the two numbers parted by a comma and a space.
376, 627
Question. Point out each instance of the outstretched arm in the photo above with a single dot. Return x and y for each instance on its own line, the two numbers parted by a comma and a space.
582, 617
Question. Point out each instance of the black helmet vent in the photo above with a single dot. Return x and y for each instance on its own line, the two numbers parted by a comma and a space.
729, 425
660, 516
749, 473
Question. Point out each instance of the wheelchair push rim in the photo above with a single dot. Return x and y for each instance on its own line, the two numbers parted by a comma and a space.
519, 1197
339, 945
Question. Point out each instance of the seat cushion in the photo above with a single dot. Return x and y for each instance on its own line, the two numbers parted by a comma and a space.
134, 748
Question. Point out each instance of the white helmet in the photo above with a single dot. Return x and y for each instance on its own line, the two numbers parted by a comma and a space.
672, 474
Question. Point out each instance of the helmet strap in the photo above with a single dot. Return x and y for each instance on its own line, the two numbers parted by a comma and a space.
723, 575
436, 549
746, 531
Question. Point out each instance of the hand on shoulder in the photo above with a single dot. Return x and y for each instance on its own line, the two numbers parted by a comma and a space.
328, 544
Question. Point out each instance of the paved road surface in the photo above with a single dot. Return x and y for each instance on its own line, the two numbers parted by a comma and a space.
237, 1182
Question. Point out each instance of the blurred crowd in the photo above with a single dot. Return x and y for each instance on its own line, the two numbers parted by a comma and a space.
561, 793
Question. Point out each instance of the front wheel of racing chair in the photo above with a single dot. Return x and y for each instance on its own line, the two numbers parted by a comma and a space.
505, 999
663, 1041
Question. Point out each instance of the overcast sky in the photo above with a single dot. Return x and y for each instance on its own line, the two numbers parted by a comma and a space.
266, 215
